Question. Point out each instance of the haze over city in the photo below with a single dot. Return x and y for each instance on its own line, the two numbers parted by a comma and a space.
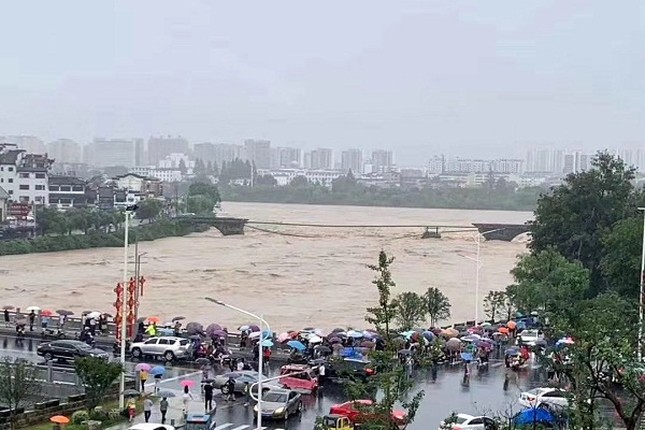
421, 78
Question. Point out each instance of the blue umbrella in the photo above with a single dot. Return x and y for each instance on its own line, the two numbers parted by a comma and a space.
295, 344
429, 335
355, 334
158, 370
533, 416
351, 353
267, 343
466, 356
512, 351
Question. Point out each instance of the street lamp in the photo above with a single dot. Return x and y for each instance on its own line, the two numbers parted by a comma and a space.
260, 358
128, 212
642, 292
477, 260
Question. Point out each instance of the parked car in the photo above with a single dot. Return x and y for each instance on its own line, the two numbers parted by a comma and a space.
280, 404
151, 426
241, 378
544, 395
529, 337
299, 377
360, 411
348, 368
168, 347
470, 422
69, 350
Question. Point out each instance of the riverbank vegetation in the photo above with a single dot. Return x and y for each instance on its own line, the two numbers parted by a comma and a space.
346, 191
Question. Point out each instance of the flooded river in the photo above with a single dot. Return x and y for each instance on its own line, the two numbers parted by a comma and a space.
294, 276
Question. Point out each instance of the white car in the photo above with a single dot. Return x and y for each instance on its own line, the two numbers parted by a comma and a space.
470, 422
529, 337
168, 347
549, 396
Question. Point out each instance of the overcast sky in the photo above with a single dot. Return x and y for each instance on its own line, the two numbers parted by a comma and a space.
418, 76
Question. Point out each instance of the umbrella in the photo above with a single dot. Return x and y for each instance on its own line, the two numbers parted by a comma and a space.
202, 360
256, 334
178, 319
212, 328
131, 393
166, 394
453, 344
355, 334
33, 308
155, 320
194, 328
59, 419
64, 312
512, 351
315, 339
319, 332
450, 332
428, 335
107, 315
337, 330
244, 327
466, 356
511, 324
94, 314
139, 320
296, 345
471, 338
335, 339
143, 367
253, 327
47, 313
158, 370
187, 383
503, 330
534, 416
337, 346
8, 307
218, 333
308, 329
404, 352
283, 337
565, 341
367, 344
267, 342
323, 349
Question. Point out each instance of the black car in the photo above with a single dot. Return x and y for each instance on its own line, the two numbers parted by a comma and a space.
348, 368
69, 350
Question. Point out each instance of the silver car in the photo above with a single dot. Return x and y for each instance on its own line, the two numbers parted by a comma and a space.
280, 404
168, 347
241, 378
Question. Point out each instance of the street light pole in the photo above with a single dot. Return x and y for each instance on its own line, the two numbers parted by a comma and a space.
260, 358
123, 313
642, 292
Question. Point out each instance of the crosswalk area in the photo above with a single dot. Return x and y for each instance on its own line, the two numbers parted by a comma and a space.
232, 426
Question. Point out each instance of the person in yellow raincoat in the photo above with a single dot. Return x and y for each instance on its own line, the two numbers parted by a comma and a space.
132, 408
151, 330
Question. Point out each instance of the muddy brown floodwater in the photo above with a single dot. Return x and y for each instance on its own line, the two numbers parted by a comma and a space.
294, 276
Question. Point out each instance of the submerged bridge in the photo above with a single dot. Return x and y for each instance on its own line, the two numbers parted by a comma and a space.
232, 226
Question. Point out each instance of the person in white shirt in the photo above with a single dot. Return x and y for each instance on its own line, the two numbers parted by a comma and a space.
240, 365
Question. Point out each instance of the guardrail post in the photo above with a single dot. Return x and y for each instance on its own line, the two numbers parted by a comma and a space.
50, 371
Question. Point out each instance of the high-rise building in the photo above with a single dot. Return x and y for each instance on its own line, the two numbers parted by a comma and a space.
259, 152
352, 159
437, 164
31, 144
64, 151
112, 152
23, 175
382, 160
321, 159
160, 147
288, 158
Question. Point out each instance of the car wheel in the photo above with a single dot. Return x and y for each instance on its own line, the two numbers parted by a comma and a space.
169, 356
48, 356
136, 353
286, 414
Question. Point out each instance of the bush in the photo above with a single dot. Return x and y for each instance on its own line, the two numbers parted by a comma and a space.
79, 417
99, 413
114, 414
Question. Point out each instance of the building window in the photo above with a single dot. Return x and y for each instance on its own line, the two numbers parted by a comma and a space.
54, 188
10, 191
24, 175
65, 188
40, 176
24, 187
24, 199
78, 188
10, 180
39, 199
40, 187
10, 169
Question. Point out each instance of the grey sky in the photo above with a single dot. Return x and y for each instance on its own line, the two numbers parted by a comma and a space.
418, 76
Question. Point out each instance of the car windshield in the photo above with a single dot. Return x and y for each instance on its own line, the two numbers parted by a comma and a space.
460, 420
83, 346
183, 342
535, 391
275, 397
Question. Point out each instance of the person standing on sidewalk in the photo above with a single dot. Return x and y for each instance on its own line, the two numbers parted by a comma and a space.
32, 319
208, 397
186, 398
247, 394
6, 318
147, 408
163, 408
143, 377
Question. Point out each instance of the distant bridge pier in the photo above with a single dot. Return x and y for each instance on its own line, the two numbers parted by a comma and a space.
504, 232
226, 225
431, 233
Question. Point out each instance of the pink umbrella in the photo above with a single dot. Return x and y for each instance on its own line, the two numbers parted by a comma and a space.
283, 337
143, 367
187, 383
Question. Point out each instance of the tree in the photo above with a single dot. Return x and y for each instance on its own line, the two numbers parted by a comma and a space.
437, 305
182, 167
267, 180
621, 261
149, 209
410, 310
299, 181
200, 204
98, 376
18, 383
546, 281
494, 303
574, 216
205, 189
383, 314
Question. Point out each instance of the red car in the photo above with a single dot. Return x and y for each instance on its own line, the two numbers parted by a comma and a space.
299, 377
359, 411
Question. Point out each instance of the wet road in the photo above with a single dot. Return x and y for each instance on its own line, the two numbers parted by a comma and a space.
483, 395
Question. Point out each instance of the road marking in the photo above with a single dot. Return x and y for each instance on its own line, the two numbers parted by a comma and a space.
242, 427
223, 426
174, 378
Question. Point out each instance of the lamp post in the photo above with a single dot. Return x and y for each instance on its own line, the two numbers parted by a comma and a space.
642, 292
477, 260
260, 358
128, 212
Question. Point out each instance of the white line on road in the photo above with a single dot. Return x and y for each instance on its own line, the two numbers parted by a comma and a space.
187, 375
242, 427
223, 426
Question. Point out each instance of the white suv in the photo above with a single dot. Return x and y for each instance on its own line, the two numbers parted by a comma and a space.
168, 347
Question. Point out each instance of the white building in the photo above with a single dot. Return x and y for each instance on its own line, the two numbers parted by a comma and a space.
285, 176
24, 176
173, 161
163, 174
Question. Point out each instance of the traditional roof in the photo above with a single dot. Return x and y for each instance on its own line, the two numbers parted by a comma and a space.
4, 195
66, 180
11, 156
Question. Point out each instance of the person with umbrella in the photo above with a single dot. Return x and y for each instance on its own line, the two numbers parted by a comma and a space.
32, 319
143, 377
6, 317
163, 408
208, 397
186, 398
147, 408
230, 387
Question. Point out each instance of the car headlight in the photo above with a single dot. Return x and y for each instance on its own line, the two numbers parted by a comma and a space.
279, 411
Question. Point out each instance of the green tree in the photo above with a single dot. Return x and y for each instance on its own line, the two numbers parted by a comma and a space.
622, 257
574, 216
18, 383
410, 310
149, 209
200, 204
383, 314
265, 180
98, 376
494, 304
182, 167
547, 282
205, 189
437, 305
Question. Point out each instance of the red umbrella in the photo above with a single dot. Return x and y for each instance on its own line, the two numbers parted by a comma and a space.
46, 313
187, 383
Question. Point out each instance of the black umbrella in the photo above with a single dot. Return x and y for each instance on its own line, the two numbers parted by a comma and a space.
194, 328
166, 394
131, 393
195, 337
323, 349
64, 312
8, 307
178, 319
